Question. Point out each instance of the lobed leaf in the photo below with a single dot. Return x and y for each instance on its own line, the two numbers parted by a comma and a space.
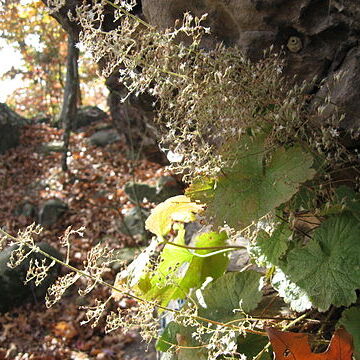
327, 268
177, 208
290, 292
231, 291
350, 319
253, 186
180, 269
272, 247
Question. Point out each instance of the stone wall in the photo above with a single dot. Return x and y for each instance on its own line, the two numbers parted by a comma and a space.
320, 39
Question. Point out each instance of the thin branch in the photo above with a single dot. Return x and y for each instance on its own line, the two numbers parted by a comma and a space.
132, 16
126, 293
228, 247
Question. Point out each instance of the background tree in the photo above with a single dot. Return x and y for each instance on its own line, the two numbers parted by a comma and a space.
71, 93
42, 43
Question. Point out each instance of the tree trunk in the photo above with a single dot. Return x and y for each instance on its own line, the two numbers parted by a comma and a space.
71, 92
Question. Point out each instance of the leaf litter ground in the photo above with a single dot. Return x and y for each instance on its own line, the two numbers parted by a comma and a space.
93, 190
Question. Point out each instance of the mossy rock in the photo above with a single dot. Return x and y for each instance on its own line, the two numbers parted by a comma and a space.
12, 288
134, 220
166, 187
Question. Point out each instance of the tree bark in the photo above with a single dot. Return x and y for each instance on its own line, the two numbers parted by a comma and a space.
71, 94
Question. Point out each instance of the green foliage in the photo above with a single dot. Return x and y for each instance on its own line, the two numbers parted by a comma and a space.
181, 336
180, 270
252, 345
177, 208
348, 199
327, 268
217, 302
270, 248
290, 292
255, 185
233, 291
350, 319
305, 198
168, 337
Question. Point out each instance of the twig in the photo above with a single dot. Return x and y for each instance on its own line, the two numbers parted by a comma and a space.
127, 293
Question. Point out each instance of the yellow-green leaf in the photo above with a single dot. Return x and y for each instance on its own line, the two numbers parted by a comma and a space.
178, 208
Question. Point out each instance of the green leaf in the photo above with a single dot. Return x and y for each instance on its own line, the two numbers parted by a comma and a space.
349, 199
305, 198
253, 186
201, 189
168, 337
251, 346
350, 319
177, 334
231, 291
328, 267
270, 248
290, 292
180, 269
192, 354
177, 208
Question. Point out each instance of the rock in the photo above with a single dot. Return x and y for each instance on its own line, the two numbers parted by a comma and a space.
322, 29
104, 137
87, 115
26, 209
10, 124
152, 152
53, 146
138, 192
192, 230
134, 221
51, 211
166, 187
41, 119
134, 118
125, 255
253, 43
343, 90
12, 288
315, 37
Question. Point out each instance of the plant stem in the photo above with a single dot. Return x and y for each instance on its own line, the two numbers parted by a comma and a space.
229, 247
126, 293
127, 13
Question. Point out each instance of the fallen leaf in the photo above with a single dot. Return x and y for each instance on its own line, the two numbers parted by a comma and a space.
295, 346
65, 330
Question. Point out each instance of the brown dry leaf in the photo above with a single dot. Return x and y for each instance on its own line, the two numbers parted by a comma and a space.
65, 330
295, 346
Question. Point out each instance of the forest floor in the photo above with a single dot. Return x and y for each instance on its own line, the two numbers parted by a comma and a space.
93, 190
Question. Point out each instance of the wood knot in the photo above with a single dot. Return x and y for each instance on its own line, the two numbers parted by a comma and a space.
294, 44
